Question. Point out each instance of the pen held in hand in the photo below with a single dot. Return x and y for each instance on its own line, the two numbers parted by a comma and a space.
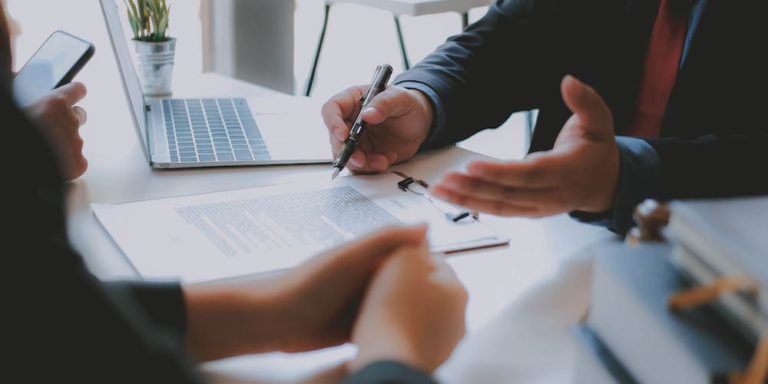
378, 84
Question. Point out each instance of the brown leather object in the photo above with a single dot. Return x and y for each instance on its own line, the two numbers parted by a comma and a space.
651, 217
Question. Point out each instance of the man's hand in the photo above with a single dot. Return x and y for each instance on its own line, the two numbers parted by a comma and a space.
413, 313
580, 173
313, 306
59, 118
399, 120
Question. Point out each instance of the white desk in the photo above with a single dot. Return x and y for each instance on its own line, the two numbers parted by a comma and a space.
119, 172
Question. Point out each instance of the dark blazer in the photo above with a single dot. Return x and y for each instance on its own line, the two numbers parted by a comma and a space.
59, 323
714, 140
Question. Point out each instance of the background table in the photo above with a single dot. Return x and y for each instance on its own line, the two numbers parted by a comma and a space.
398, 8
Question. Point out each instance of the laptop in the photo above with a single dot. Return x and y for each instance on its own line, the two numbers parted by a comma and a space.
213, 131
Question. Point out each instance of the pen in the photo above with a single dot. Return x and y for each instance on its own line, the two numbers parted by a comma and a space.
378, 84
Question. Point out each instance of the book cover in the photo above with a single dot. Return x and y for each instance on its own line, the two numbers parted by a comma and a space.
595, 363
728, 235
629, 313
740, 309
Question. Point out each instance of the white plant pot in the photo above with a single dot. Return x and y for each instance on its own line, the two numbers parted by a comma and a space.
156, 66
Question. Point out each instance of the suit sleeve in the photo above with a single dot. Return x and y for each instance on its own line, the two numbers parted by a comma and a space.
389, 372
476, 77
639, 179
667, 168
61, 324
68, 327
163, 304
511, 60
713, 166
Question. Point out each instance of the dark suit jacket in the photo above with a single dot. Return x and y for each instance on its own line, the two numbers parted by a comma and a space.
714, 140
60, 324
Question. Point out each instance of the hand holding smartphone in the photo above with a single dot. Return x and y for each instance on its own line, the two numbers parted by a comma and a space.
55, 64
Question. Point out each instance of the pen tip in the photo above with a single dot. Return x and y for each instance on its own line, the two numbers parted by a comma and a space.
335, 174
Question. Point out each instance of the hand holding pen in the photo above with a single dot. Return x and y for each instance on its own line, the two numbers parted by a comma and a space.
397, 123
378, 84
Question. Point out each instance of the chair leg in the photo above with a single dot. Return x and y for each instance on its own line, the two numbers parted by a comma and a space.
406, 63
316, 60
464, 20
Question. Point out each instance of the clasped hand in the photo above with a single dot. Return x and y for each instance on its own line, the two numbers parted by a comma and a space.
384, 293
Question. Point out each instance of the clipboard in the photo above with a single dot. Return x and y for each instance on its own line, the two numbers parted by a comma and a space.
222, 235
456, 215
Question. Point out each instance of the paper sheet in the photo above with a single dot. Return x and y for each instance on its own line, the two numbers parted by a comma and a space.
220, 235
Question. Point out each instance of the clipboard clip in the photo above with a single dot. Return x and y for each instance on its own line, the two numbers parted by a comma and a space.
411, 184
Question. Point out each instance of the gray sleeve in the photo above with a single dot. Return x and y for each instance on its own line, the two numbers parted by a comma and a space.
389, 372
639, 179
438, 111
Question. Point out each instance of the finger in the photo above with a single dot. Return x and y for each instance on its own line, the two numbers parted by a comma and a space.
383, 243
79, 168
494, 207
357, 160
483, 189
447, 277
421, 250
366, 254
372, 162
540, 172
82, 116
377, 162
392, 157
412, 258
339, 108
71, 93
593, 114
337, 127
335, 145
393, 102
77, 145
444, 273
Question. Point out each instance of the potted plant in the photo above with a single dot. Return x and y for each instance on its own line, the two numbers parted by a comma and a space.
155, 49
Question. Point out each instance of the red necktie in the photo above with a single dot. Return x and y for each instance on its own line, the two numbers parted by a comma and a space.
661, 66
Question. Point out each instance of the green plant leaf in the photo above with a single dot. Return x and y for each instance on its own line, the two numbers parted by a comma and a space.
133, 18
163, 27
149, 19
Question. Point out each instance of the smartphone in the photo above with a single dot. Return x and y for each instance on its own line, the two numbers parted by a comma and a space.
55, 64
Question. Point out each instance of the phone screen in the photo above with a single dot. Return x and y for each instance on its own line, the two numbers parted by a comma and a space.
49, 67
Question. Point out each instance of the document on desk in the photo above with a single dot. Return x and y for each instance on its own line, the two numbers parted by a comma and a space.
227, 234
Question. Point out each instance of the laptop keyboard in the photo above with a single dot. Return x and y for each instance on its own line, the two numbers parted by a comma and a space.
208, 130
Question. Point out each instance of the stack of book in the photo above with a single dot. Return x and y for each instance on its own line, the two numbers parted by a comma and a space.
632, 336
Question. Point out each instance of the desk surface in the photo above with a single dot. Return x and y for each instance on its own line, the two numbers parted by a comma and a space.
118, 172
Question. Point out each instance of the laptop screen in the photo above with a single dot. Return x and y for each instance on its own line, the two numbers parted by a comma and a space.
127, 71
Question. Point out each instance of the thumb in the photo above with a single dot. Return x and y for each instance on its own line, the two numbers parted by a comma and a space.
71, 93
373, 248
393, 102
591, 114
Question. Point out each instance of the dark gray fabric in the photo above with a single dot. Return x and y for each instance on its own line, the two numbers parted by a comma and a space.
389, 372
714, 138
